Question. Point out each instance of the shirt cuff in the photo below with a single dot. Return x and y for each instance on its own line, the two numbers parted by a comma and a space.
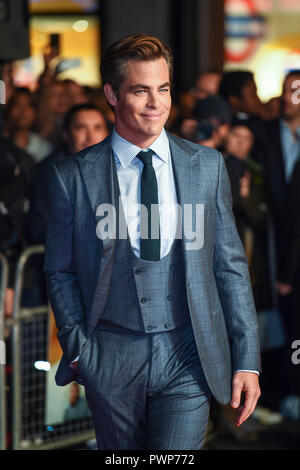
246, 370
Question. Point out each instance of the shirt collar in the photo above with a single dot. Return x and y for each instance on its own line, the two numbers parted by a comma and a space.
285, 128
126, 151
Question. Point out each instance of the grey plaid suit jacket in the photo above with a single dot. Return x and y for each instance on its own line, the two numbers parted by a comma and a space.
78, 264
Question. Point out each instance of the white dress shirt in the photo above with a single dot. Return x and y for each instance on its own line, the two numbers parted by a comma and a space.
129, 169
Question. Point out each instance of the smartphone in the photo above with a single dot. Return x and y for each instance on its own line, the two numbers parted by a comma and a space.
55, 41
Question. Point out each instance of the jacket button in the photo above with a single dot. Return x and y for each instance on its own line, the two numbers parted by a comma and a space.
138, 271
169, 297
143, 300
168, 325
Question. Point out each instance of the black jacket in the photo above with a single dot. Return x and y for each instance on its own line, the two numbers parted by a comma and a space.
17, 173
290, 259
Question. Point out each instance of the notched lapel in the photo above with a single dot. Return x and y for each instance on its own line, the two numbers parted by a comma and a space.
185, 160
96, 172
189, 187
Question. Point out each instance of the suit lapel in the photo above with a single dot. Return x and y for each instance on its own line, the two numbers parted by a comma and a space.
96, 172
185, 161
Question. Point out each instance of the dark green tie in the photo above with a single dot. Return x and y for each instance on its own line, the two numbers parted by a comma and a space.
150, 247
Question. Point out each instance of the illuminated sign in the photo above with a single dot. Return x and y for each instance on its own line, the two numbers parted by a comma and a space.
244, 23
63, 6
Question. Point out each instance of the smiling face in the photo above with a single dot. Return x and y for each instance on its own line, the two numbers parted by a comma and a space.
143, 103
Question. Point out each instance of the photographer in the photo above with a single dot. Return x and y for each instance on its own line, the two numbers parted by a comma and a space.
209, 124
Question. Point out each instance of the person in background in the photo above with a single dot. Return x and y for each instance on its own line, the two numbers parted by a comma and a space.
207, 84
75, 93
281, 154
52, 105
249, 205
182, 121
208, 124
185, 102
7, 78
290, 259
239, 89
17, 173
84, 125
185, 127
52, 100
273, 107
97, 97
238, 145
20, 116
288, 284
213, 116
250, 208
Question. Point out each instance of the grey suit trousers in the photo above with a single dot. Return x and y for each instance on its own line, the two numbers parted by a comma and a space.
145, 391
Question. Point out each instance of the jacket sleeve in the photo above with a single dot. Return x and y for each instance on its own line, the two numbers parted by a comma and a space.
60, 267
233, 281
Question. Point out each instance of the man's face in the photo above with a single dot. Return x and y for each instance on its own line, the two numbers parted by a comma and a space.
144, 101
88, 127
58, 101
239, 142
207, 85
289, 110
250, 102
22, 113
75, 94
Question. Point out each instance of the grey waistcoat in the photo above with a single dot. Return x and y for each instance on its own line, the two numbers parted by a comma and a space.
147, 296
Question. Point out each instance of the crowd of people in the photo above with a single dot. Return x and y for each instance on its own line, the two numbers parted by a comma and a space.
260, 143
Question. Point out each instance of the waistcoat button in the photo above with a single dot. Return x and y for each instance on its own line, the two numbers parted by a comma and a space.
150, 327
143, 300
169, 297
138, 271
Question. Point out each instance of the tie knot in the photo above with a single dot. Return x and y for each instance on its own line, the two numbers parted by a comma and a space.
146, 157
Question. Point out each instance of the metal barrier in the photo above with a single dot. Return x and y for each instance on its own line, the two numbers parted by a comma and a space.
4, 271
29, 344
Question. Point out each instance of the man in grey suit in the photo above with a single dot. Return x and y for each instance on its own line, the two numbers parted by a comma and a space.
150, 325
